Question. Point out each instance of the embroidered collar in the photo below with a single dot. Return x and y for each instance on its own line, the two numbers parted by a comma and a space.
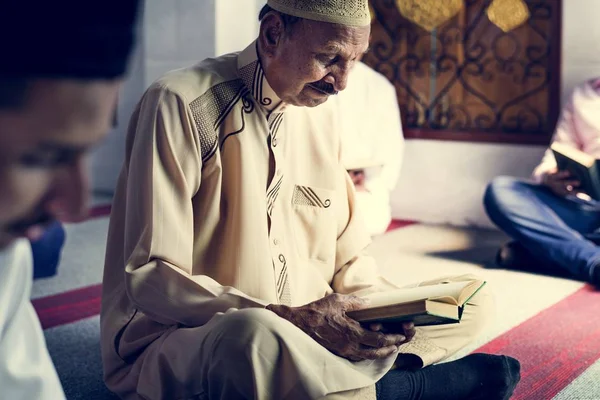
253, 75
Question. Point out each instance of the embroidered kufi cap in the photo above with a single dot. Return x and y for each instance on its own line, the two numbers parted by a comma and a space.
343, 12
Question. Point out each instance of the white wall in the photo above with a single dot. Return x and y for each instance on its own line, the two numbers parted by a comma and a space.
106, 160
177, 33
443, 182
174, 34
236, 24
581, 41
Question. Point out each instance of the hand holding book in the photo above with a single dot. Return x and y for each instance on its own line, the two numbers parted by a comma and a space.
581, 167
403, 328
561, 183
424, 305
326, 321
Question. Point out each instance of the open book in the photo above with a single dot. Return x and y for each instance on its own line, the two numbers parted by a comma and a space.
582, 167
424, 305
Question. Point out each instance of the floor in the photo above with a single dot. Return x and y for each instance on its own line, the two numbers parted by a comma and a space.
524, 305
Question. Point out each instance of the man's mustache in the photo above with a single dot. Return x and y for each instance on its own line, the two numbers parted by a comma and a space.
324, 87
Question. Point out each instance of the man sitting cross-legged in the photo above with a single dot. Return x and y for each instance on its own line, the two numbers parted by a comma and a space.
234, 251
553, 229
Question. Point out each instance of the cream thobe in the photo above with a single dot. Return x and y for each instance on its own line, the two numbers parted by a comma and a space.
230, 200
26, 371
578, 127
368, 119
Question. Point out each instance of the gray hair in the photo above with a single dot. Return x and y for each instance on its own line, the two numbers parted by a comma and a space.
288, 20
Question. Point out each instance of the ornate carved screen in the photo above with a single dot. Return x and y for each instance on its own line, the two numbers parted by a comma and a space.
468, 80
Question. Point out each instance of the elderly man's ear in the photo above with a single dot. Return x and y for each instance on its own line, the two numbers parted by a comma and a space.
271, 33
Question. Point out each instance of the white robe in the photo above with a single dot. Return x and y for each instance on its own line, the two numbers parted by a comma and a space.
26, 371
230, 200
368, 118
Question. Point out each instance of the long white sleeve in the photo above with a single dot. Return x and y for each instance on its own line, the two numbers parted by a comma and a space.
579, 125
26, 371
564, 134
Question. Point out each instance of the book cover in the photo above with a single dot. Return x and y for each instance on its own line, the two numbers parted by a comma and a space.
425, 305
582, 167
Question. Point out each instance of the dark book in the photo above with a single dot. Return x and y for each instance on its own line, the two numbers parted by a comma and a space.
424, 305
581, 166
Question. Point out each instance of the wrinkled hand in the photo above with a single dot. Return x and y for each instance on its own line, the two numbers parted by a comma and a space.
404, 328
560, 183
325, 320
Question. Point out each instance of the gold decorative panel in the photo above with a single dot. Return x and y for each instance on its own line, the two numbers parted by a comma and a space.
508, 14
429, 14
468, 75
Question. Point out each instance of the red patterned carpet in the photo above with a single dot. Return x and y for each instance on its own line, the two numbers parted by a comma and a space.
68, 307
555, 346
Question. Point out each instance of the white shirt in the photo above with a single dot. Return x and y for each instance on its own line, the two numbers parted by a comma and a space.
371, 131
579, 125
26, 371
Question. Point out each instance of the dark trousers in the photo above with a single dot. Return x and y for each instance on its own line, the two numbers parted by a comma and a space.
47, 251
554, 230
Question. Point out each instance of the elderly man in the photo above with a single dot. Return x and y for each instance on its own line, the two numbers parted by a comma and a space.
553, 229
233, 245
61, 69
368, 119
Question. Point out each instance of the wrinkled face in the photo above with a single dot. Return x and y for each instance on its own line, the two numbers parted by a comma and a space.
42, 148
311, 61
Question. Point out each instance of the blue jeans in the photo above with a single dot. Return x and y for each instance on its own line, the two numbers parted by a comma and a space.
553, 229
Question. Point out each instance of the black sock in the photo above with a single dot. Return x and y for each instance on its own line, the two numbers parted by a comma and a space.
475, 377
595, 275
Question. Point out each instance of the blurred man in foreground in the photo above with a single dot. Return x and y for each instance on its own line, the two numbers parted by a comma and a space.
62, 64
